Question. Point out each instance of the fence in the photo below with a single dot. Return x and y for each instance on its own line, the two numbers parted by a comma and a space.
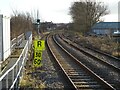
10, 79
16, 41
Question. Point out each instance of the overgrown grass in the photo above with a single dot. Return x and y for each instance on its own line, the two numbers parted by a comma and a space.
104, 43
30, 79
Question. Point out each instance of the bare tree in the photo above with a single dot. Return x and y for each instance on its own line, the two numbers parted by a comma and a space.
86, 13
20, 23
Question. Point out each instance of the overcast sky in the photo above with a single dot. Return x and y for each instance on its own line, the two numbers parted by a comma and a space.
53, 10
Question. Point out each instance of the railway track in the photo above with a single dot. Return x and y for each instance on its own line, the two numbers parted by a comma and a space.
80, 76
106, 74
107, 62
102, 55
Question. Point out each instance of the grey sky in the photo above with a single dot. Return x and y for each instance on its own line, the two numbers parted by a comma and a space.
52, 10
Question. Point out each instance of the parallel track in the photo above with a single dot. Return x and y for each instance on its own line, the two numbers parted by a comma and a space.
104, 63
92, 56
78, 74
114, 61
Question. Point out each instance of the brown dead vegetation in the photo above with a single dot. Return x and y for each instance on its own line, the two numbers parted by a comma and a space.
20, 23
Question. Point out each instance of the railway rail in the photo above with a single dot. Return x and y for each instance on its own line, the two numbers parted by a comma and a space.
112, 68
87, 53
102, 55
80, 76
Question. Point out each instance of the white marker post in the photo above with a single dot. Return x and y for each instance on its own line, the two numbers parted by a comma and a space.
4, 38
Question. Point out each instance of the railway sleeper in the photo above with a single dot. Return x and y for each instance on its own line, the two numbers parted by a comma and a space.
75, 77
80, 71
88, 86
82, 79
91, 85
76, 73
85, 83
74, 70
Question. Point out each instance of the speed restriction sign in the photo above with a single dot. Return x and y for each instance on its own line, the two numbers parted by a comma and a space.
39, 45
37, 58
37, 62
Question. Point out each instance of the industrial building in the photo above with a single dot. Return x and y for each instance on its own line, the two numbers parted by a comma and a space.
105, 28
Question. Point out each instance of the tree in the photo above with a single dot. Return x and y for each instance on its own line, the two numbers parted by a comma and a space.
86, 13
20, 23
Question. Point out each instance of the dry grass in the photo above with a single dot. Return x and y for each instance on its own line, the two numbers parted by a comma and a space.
105, 44
29, 79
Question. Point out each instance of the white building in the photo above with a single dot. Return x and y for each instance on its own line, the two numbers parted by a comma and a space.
4, 37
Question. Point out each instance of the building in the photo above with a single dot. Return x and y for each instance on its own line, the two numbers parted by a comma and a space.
5, 49
105, 28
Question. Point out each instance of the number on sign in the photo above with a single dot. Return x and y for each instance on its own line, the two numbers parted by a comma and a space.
37, 62
38, 54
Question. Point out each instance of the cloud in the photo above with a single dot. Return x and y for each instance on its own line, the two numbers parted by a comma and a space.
54, 10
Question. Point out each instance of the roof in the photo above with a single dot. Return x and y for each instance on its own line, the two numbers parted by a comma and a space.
117, 32
106, 25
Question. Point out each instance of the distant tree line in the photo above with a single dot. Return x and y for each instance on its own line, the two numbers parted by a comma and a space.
85, 13
21, 22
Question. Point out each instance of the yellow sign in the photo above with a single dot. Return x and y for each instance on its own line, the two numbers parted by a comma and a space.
38, 54
37, 58
39, 45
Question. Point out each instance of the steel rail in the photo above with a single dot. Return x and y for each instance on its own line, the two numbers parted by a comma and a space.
73, 85
92, 56
104, 83
98, 51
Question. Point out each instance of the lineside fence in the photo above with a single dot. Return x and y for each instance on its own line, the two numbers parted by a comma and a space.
17, 41
10, 79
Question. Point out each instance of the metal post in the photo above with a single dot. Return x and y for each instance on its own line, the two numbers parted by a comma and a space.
1, 85
7, 81
38, 29
13, 76
16, 70
38, 25
15, 86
